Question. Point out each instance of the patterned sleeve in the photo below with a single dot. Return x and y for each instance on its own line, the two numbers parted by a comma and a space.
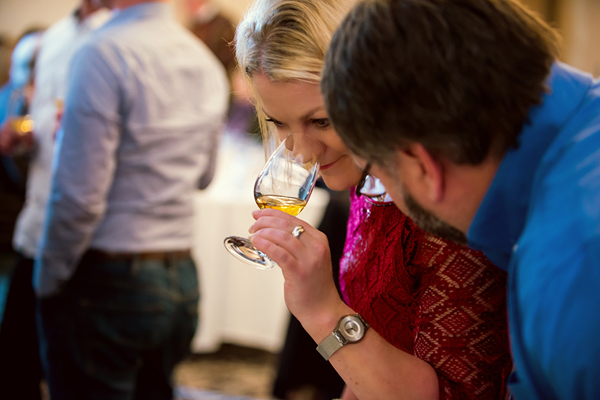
461, 321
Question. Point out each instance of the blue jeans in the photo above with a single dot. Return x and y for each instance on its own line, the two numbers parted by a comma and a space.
118, 328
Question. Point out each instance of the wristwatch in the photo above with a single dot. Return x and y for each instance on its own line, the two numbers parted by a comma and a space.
349, 329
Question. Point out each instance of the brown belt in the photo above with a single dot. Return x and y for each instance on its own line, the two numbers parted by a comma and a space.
154, 256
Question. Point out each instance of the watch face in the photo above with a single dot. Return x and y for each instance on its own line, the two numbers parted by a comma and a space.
352, 328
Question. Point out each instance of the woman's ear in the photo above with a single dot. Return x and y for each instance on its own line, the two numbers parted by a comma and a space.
425, 171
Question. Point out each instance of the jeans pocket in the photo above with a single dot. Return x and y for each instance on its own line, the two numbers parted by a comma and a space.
135, 320
117, 329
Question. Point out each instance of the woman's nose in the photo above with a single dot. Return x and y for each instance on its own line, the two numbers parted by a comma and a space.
304, 148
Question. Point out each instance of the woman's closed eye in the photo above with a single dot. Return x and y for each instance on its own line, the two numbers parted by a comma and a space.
318, 123
274, 121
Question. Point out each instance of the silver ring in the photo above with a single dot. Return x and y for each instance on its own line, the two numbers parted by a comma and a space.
298, 231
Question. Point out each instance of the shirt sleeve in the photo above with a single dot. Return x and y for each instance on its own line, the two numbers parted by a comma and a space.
461, 324
555, 271
83, 168
208, 175
567, 326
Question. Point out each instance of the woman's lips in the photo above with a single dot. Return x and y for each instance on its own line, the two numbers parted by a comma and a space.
327, 166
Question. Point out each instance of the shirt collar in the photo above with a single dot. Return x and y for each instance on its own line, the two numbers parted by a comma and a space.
92, 21
152, 9
374, 190
501, 216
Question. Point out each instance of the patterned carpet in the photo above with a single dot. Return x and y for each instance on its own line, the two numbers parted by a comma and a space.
233, 372
185, 393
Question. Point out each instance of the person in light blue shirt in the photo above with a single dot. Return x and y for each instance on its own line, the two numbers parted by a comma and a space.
20, 366
14, 102
481, 136
118, 289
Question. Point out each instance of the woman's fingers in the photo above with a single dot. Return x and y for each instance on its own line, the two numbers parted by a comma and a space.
279, 220
278, 253
269, 212
273, 222
276, 229
284, 239
311, 248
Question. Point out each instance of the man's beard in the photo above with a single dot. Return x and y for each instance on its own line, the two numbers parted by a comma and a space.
429, 222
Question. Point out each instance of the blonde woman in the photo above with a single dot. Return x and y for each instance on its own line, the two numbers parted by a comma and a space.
436, 310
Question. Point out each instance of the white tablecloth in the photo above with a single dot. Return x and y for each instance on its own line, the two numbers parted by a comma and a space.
239, 304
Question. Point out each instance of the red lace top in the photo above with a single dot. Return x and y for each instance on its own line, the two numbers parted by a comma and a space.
439, 301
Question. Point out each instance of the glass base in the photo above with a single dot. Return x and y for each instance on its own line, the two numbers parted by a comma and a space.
242, 249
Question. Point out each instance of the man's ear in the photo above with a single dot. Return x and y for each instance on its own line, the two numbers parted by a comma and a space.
427, 171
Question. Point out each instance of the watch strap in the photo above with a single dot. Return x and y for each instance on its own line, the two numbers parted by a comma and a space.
356, 328
331, 344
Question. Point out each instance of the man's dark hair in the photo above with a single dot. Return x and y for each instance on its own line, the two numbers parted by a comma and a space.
458, 76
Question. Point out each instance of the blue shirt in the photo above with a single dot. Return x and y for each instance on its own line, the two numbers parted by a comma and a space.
540, 221
145, 104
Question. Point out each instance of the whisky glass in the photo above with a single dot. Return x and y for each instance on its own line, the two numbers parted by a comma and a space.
20, 122
285, 183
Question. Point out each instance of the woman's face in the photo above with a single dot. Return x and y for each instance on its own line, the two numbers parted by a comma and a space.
298, 107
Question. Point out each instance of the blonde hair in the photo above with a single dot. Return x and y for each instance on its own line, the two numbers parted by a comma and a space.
286, 40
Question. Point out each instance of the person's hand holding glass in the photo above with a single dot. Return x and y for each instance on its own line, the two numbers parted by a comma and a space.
285, 183
16, 134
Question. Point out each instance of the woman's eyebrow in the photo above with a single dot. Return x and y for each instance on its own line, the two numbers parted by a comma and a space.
311, 112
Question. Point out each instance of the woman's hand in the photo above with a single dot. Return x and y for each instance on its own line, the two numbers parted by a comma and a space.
309, 289
373, 368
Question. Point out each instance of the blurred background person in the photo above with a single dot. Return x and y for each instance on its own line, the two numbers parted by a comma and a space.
214, 29
15, 96
6, 47
11, 175
118, 288
20, 368
217, 31
13, 107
